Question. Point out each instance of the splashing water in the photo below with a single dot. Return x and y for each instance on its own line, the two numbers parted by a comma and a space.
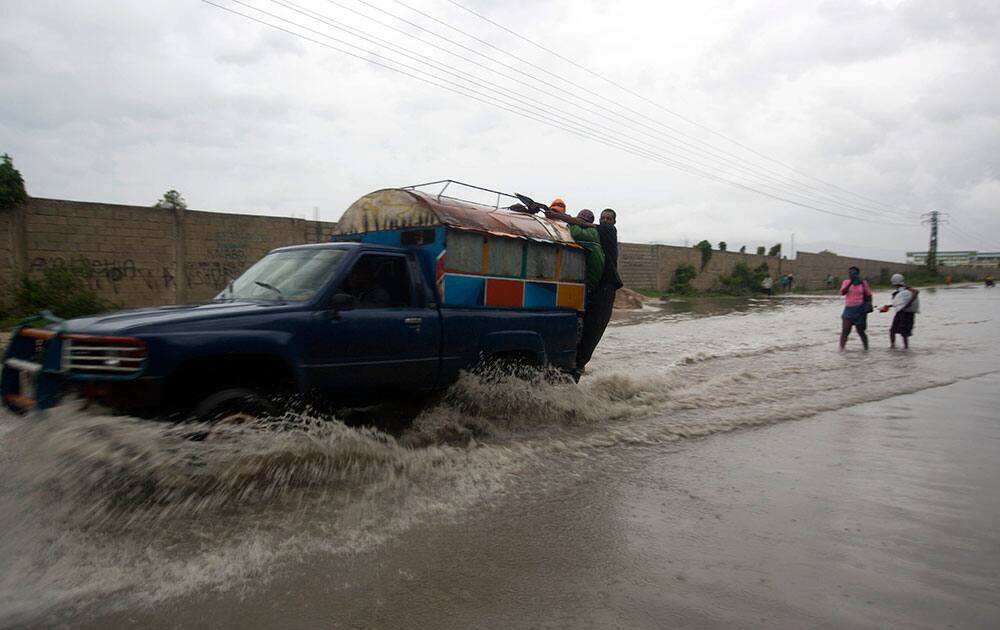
96, 505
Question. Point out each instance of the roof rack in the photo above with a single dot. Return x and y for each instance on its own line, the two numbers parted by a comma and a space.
446, 183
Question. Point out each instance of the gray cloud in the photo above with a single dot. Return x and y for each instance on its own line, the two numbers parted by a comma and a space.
119, 101
263, 46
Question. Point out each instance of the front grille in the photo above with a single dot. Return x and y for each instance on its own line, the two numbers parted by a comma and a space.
97, 355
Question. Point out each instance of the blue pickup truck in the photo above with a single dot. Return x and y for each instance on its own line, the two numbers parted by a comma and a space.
413, 288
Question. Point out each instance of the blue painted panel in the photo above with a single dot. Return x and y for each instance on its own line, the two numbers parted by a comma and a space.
383, 237
540, 294
463, 290
426, 254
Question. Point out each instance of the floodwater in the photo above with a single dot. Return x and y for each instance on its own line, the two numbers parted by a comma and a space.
720, 465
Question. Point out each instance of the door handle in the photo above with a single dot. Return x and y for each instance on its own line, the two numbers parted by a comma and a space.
413, 321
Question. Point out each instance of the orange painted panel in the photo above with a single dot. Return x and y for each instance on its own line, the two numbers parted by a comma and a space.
571, 295
503, 292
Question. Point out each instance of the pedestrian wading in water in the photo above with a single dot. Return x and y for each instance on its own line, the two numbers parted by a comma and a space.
857, 304
907, 305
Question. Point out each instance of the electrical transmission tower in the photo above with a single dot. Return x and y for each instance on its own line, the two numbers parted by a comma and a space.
933, 218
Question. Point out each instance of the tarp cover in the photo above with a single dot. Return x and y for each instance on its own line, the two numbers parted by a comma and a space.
395, 209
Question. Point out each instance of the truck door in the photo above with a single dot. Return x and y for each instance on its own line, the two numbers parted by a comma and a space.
387, 338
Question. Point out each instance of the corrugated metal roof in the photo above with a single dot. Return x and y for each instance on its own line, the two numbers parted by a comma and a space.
394, 208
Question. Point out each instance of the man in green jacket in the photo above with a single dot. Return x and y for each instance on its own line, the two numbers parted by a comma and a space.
584, 232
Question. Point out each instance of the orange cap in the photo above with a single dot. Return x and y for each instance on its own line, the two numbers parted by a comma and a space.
558, 205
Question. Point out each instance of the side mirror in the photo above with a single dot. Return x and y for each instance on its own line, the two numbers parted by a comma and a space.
342, 302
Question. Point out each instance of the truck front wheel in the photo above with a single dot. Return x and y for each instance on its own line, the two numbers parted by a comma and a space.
236, 405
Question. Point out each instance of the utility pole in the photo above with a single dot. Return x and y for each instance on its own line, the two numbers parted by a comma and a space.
933, 218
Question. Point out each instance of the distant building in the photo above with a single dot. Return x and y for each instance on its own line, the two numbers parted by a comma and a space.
987, 259
954, 259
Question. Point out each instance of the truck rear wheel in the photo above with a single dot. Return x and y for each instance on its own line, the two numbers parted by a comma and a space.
500, 366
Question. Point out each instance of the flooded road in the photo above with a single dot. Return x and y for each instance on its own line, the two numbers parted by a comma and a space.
866, 494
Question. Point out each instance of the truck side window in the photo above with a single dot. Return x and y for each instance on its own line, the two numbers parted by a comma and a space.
379, 281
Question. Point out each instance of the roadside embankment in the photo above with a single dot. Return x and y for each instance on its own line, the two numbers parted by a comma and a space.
627, 299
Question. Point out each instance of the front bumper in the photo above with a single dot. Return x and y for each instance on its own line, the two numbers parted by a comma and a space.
41, 365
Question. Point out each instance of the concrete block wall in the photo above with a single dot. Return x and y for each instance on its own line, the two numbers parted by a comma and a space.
9, 228
139, 256
124, 252
219, 247
639, 265
721, 263
652, 267
812, 269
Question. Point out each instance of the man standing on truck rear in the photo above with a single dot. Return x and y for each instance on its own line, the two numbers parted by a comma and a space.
598, 313
582, 228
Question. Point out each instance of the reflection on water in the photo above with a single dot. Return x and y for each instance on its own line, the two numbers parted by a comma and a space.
93, 506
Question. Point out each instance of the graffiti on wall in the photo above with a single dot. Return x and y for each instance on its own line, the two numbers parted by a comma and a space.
234, 252
115, 275
212, 273
103, 274
225, 261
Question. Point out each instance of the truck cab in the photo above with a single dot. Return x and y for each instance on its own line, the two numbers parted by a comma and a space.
412, 290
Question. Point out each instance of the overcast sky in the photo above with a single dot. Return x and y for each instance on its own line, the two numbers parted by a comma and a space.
897, 104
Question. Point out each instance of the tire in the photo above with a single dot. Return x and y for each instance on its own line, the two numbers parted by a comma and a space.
235, 405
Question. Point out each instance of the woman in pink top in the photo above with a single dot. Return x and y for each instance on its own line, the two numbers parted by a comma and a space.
857, 304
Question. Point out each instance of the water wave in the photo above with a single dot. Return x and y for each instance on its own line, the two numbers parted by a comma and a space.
93, 505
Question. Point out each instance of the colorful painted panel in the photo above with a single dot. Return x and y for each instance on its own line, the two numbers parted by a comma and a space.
571, 295
540, 294
504, 292
464, 290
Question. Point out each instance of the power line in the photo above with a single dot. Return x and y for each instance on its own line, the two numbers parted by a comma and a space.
740, 163
780, 185
462, 90
954, 227
520, 111
475, 95
670, 111
960, 236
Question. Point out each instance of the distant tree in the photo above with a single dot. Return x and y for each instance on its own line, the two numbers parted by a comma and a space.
743, 249
171, 200
828, 252
722, 246
706, 252
743, 280
775, 251
683, 275
12, 190
760, 250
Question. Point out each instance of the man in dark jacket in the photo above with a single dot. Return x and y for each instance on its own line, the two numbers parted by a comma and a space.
602, 303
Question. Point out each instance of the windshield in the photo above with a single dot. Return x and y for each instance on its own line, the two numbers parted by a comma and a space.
290, 276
